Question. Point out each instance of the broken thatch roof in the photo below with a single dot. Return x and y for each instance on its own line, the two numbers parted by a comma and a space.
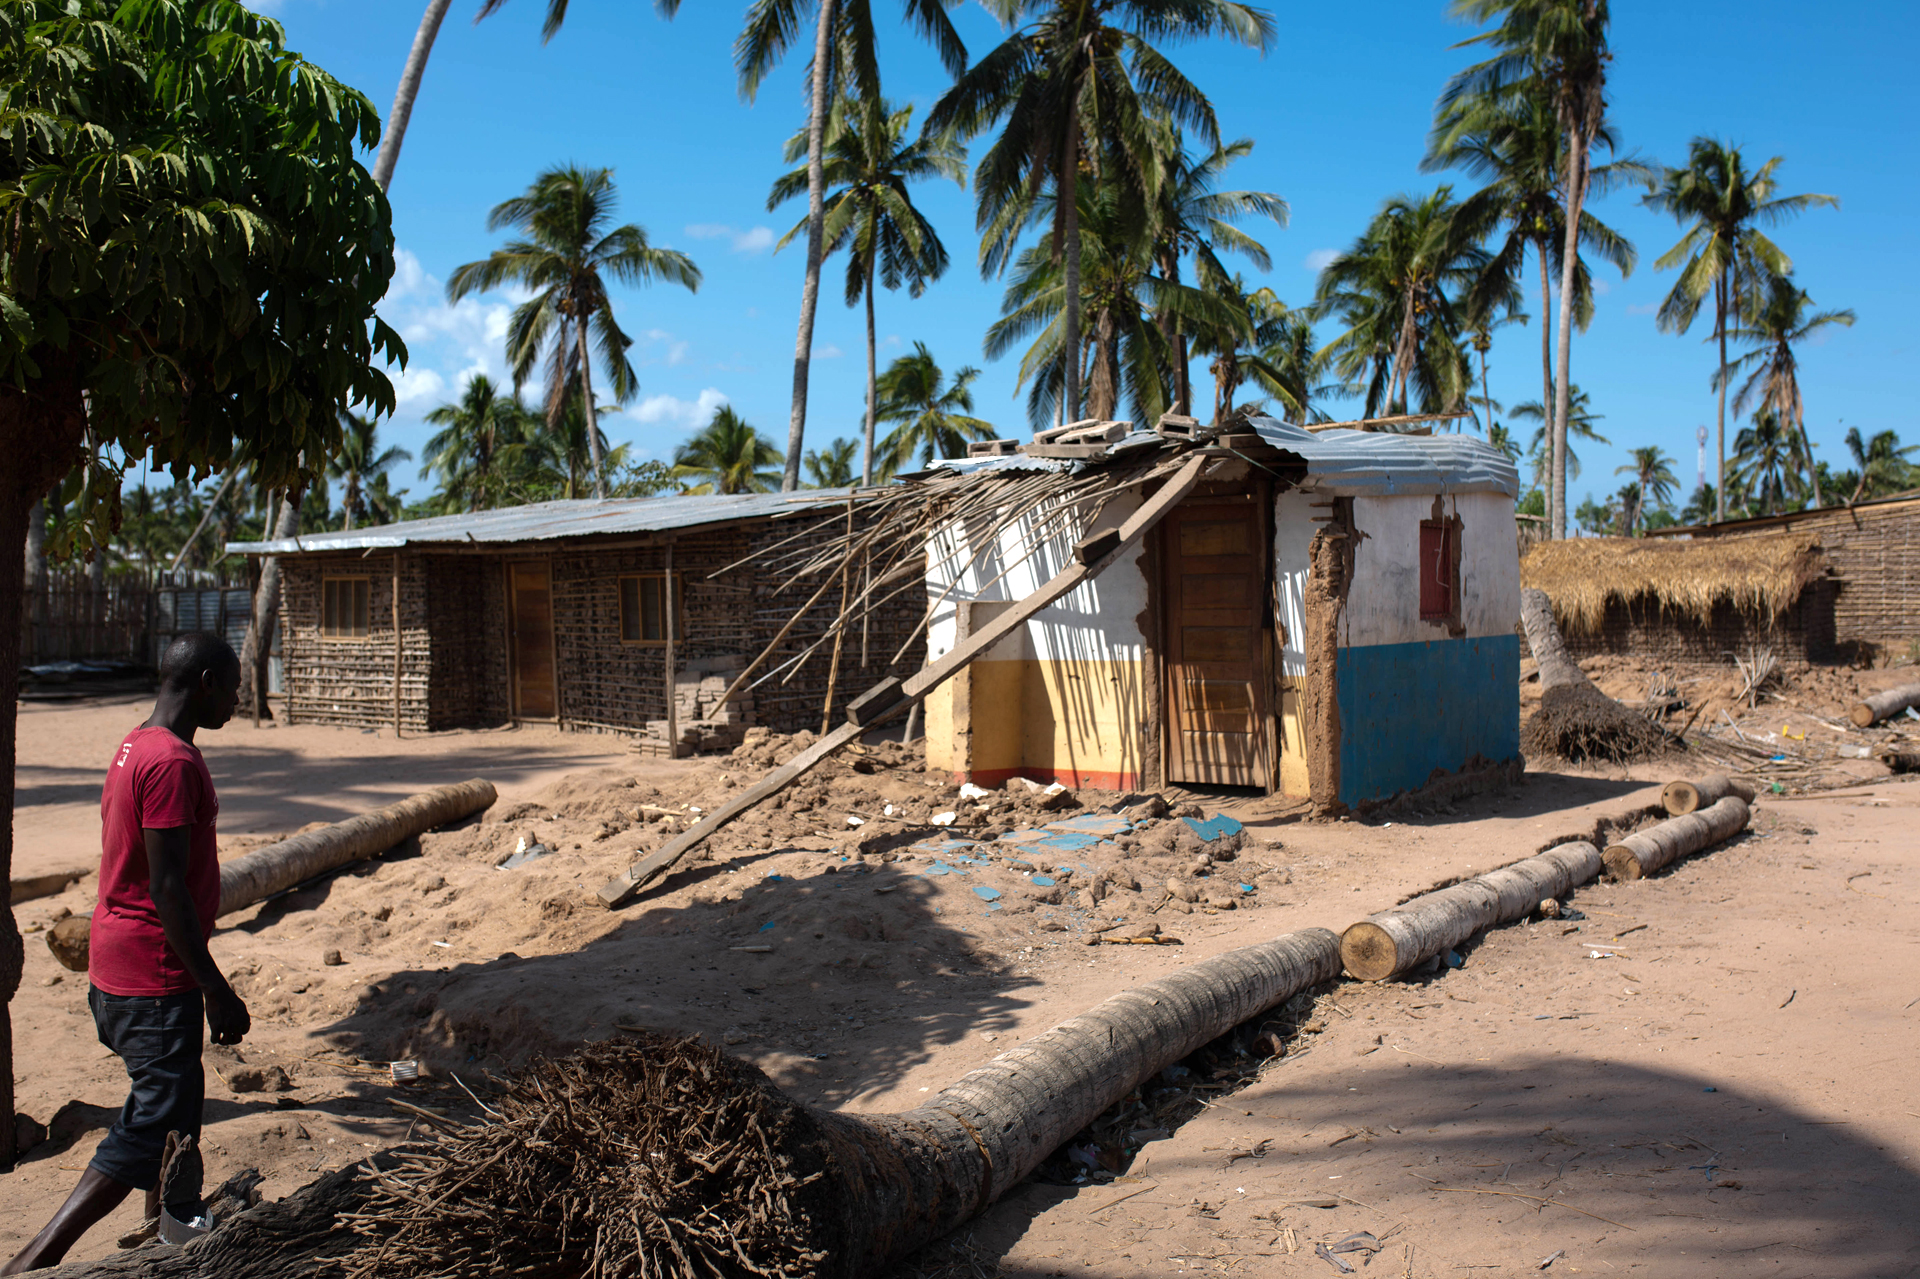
1759, 576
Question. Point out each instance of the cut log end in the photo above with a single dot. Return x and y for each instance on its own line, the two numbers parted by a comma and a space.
1367, 952
1682, 797
1862, 716
1679, 798
1622, 863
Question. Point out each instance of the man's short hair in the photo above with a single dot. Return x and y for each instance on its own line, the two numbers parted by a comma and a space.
193, 652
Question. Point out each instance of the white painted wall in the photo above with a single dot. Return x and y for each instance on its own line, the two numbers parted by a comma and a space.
1383, 604
1293, 530
1097, 621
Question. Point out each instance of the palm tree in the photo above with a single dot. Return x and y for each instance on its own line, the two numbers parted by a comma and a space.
1773, 324
931, 418
1763, 458
771, 28
474, 431
1560, 46
1722, 251
1191, 217
566, 260
1291, 368
1881, 464
1079, 84
403, 97
1580, 422
1653, 483
360, 462
1514, 141
1397, 290
1123, 352
832, 467
1258, 322
870, 161
729, 456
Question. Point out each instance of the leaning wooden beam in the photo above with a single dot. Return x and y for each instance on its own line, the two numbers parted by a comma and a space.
893, 1182
1683, 797
1389, 943
1885, 705
624, 887
1639, 855
1398, 419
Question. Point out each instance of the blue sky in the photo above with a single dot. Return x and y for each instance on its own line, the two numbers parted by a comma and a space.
1339, 111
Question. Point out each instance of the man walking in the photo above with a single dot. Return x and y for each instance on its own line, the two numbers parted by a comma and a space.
152, 979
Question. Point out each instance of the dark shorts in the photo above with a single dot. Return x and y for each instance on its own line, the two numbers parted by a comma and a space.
159, 1038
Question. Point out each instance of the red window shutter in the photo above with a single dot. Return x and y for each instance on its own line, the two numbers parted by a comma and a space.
1436, 571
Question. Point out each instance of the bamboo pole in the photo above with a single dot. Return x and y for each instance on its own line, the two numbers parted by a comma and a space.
673, 700
396, 647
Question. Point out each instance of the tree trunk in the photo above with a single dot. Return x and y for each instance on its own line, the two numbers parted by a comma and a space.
1543, 637
251, 879
1546, 370
1883, 705
816, 234
40, 436
35, 564
1720, 332
1387, 944
895, 1182
409, 90
1683, 797
1563, 384
206, 517
873, 378
258, 645
1638, 856
587, 411
1067, 193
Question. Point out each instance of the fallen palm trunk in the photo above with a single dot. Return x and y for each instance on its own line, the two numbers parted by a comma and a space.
1640, 855
665, 1158
1885, 705
1683, 797
258, 875
1393, 941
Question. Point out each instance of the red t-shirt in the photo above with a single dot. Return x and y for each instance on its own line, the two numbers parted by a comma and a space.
156, 782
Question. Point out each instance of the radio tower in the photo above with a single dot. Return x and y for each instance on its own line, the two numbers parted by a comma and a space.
1700, 461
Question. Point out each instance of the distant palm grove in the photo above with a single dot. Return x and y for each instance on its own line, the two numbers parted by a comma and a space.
1132, 269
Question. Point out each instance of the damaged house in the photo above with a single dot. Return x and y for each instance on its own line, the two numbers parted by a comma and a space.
574, 612
1328, 614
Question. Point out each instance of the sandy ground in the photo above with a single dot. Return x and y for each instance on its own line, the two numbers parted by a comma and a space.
1532, 1070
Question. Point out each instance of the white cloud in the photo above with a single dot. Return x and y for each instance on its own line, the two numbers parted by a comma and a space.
671, 410
1643, 309
1601, 287
417, 383
751, 240
1318, 260
408, 276
827, 352
675, 349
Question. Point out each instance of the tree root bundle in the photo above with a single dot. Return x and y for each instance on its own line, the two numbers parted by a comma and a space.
1641, 854
1578, 722
1393, 941
661, 1158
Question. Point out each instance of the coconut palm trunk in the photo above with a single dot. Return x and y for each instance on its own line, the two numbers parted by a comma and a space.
1546, 355
816, 237
1068, 195
36, 568
1720, 332
1576, 196
586, 408
409, 89
873, 376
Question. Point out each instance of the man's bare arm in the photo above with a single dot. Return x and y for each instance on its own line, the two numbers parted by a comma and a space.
168, 851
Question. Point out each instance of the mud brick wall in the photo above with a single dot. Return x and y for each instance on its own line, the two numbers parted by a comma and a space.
1875, 554
1642, 629
467, 641
350, 681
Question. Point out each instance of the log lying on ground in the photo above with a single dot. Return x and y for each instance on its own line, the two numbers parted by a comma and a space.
666, 1158
1683, 797
1393, 941
1575, 721
1885, 705
1642, 854
31, 887
258, 875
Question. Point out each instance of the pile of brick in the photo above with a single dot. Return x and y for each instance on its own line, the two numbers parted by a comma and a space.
703, 723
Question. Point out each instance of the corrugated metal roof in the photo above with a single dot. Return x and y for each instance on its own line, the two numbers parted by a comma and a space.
551, 521
1382, 463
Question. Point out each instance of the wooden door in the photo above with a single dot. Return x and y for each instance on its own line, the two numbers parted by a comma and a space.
1215, 591
530, 601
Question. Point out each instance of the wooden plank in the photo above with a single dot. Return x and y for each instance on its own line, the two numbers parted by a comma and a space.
624, 887
1073, 452
1398, 419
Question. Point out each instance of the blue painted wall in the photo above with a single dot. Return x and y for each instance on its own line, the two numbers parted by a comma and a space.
1407, 709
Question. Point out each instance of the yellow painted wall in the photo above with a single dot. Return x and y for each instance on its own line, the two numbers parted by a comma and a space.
943, 747
1080, 721
1293, 741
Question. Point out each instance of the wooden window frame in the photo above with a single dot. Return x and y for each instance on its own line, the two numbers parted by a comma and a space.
679, 612
363, 586
1447, 581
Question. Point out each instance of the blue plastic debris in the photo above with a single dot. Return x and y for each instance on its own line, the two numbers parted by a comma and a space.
1246, 888
1214, 827
1709, 1090
988, 894
769, 924
1041, 881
